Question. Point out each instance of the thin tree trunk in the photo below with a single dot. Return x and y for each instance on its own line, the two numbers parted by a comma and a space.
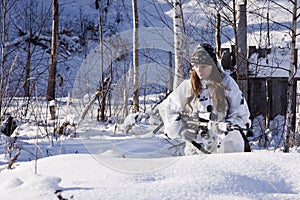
101, 110
135, 57
28, 62
289, 112
236, 46
2, 56
27, 70
242, 49
125, 109
268, 26
178, 44
53, 57
218, 35
170, 82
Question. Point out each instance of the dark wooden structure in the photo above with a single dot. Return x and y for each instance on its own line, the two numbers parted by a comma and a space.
267, 96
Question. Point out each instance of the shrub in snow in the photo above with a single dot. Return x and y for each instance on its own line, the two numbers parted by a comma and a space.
271, 136
276, 131
133, 119
66, 128
8, 125
129, 121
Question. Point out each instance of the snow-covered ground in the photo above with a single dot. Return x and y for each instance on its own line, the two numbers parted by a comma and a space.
263, 175
104, 163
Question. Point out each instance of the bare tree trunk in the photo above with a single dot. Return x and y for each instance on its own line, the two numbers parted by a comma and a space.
135, 57
101, 48
178, 44
125, 109
170, 82
292, 72
2, 56
101, 110
105, 83
28, 62
27, 68
236, 46
53, 57
97, 4
268, 26
242, 63
218, 35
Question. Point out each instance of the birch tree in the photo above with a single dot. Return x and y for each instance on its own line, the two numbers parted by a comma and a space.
292, 73
178, 43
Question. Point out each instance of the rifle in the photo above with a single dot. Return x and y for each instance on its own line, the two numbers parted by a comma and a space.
209, 127
194, 122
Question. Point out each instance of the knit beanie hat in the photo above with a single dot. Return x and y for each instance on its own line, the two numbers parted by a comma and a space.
204, 54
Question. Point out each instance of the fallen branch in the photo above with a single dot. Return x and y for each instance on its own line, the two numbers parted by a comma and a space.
10, 164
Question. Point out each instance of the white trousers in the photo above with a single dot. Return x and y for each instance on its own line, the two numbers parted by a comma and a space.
231, 143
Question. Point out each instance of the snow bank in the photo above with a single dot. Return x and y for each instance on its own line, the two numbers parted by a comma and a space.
228, 176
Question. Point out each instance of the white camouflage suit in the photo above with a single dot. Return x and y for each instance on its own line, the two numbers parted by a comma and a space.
237, 113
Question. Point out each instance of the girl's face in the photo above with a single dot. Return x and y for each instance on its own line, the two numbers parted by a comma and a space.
203, 71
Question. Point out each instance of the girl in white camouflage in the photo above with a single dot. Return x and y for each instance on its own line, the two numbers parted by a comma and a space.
209, 86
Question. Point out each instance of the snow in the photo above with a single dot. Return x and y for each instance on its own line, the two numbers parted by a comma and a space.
275, 64
84, 176
104, 161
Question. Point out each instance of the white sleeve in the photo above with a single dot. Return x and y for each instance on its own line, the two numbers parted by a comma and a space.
171, 107
238, 112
